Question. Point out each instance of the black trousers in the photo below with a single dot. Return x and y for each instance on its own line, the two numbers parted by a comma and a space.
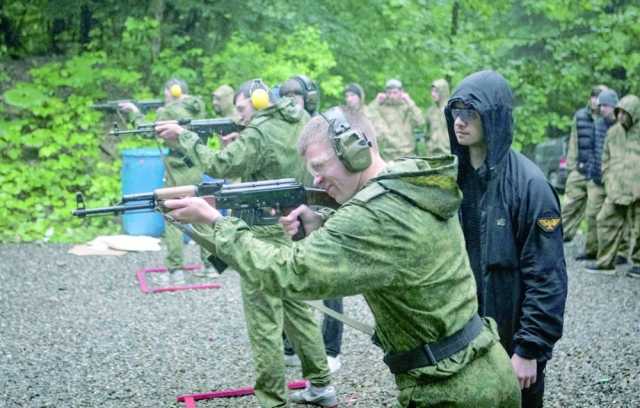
532, 396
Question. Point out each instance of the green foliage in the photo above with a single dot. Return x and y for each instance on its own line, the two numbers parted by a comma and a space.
551, 53
275, 60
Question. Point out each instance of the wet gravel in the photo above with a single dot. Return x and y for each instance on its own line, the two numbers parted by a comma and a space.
78, 332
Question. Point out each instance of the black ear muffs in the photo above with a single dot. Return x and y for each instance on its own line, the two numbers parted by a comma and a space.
351, 146
310, 93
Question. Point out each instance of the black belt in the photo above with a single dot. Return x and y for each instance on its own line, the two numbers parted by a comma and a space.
430, 354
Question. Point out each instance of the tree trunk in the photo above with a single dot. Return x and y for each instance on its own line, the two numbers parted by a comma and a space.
86, 24
156, 9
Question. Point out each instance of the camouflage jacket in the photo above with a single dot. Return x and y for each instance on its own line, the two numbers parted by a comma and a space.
187, 107
398, 242
620, 169
436, 134
266, 148
394, 123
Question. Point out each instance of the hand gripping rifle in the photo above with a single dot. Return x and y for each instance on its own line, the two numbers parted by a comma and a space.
113, 106
202, 127
257, 203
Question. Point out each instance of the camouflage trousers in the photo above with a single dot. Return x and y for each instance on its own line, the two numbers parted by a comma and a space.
595, 199
179, 174
575, 203
618, 230
266, 317
488, 381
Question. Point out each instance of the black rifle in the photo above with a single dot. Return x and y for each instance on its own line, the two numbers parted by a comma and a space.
143, 106
257, 203
202, 127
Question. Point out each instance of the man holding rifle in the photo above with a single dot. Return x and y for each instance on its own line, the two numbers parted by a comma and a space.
178, 171
266, 150
397, 240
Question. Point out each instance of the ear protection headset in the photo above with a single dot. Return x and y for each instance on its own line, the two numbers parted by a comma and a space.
176, 87
258, 94
310, 93
351, 146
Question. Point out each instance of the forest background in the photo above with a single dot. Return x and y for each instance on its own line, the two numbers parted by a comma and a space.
58, 57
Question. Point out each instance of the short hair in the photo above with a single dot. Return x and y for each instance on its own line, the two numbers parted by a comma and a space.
315, 131
177, 81
246, 88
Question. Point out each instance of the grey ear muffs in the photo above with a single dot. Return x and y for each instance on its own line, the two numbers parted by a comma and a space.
351, 146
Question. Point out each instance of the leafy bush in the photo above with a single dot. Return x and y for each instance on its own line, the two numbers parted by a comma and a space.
51, 140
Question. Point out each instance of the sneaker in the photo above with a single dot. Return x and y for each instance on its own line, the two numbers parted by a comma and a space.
585, 257
334, 363
209, 272
177, 276
160, 278
634, 272
292, 360
601, 270
318, 396
621, 260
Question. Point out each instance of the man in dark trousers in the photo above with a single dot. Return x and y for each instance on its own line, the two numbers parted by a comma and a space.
511, 222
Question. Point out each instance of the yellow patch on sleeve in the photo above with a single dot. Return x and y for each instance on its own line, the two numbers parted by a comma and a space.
548, 224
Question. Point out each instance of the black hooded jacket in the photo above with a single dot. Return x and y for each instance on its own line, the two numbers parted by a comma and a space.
511, 221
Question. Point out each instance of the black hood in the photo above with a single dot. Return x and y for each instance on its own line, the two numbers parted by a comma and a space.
489, 94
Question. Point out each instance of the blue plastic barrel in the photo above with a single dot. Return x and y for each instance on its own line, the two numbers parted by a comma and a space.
142, 171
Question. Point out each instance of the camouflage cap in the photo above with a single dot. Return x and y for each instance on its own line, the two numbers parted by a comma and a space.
393, 83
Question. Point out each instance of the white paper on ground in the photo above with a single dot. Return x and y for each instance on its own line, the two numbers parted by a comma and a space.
116, 245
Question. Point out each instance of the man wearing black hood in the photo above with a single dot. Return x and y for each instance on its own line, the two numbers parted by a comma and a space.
511, 221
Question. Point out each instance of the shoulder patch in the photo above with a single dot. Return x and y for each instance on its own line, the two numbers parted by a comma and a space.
370, 192
549, 223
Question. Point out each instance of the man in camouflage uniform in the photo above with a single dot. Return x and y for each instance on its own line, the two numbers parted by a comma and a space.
222, 102
179, 170
621, 175
223, 107
266, 150
436, 135
395, 115
305, 93
579, 155
412, 269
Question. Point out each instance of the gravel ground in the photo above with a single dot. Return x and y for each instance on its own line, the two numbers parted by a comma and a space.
78, 332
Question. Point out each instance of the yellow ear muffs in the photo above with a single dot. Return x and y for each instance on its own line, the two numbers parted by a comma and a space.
175, 91
259, 99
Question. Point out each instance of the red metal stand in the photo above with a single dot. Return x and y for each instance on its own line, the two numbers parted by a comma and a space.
144, 287
189, 400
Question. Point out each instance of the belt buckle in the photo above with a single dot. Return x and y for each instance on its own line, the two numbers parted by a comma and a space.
429, 354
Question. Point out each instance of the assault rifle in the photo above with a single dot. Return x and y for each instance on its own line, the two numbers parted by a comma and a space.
257, 203
113, 106
202, 127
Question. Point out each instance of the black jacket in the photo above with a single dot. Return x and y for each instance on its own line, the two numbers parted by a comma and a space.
511, 220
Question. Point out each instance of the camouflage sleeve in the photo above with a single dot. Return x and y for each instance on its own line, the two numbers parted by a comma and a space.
343, 258
240, 159
572, 150
415, 115
135, 118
